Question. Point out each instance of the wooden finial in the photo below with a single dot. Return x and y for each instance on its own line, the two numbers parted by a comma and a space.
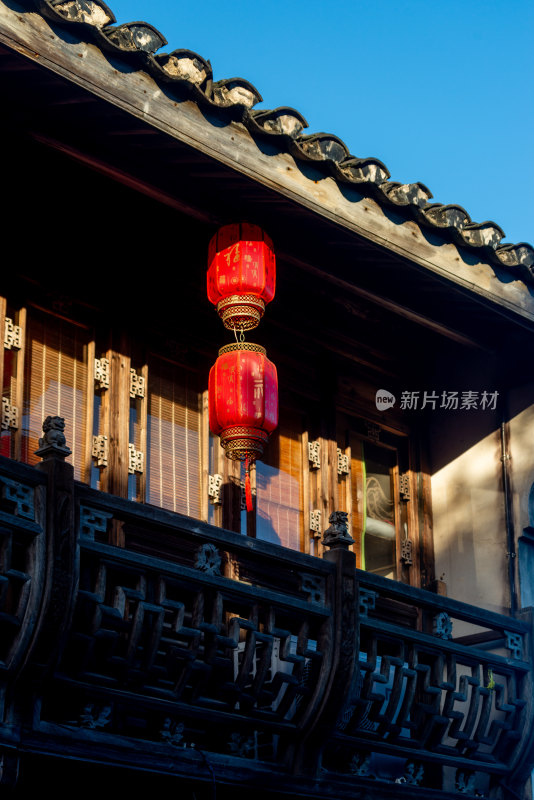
337, 535
53, 444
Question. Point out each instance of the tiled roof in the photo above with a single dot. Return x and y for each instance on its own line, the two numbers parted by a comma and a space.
235, 97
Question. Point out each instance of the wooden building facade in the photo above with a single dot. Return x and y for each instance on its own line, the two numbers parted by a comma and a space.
367, 627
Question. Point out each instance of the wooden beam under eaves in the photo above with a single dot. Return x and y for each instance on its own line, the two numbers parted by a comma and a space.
387, 304
137, 94
123, 178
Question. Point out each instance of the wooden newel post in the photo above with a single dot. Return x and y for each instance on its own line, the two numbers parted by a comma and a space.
337, 536
53, 444
346, 601
61, 560
344, 644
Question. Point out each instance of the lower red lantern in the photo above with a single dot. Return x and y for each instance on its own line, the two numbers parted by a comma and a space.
243, 402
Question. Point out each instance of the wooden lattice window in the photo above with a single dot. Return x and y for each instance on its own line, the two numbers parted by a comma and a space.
379, 552
381, 515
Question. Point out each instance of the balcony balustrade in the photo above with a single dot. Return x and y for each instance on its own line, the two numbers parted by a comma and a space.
133, 636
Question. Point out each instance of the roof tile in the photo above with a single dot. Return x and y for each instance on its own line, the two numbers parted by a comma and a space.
185, 69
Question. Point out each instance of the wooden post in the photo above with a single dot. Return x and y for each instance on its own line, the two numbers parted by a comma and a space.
344, 646
204, 458
62, 551
119, 397
87, 461
423, 513
305, 493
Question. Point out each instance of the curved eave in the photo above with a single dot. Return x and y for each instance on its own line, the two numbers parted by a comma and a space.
316, 172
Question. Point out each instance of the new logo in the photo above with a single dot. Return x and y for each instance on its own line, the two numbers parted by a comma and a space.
384, 399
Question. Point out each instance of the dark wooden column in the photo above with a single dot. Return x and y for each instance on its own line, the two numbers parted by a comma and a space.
61, 556
343, 645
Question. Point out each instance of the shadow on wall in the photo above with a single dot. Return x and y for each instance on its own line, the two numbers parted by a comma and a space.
469, 526
466, 464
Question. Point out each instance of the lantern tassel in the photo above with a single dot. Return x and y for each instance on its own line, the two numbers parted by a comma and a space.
248, 490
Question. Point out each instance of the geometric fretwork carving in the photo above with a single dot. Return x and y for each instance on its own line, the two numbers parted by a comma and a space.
19, 495
404, 486
313, 586
514, 643
343, 462
315, 521
102, 373
189, 643
17, 548
415, 695
137, 384
12, 335
367, 601
100, 450
136, 460
10, 415
214, 488
406, 552
164, 645
93, 522
314, 454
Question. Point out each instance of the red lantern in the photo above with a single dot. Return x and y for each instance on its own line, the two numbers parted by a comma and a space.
243, 403
243, 400
241, 274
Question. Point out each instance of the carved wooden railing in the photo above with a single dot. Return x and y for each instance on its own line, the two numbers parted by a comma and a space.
442, 710
134, 636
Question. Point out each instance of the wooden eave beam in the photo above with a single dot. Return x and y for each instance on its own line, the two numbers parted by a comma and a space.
137, 93
172, 201
389, 305
123, 178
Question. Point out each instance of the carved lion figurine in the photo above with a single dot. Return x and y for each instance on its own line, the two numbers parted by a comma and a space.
53, 428
338, 532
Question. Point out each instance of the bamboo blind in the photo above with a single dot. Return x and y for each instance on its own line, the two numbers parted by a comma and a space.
173, 446
279, 488
8, 390
55, 382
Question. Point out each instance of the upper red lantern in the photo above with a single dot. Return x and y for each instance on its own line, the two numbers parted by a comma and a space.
243, 400
241, 274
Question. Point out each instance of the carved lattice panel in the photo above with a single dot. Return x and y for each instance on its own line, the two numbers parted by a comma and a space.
415, 695
190, 642
15, 587
20, 548
12, 335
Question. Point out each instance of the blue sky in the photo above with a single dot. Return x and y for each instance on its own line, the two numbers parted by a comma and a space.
442, 93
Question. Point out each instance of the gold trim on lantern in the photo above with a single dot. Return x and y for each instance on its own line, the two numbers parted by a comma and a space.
248, 346
241, 311
241, 442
